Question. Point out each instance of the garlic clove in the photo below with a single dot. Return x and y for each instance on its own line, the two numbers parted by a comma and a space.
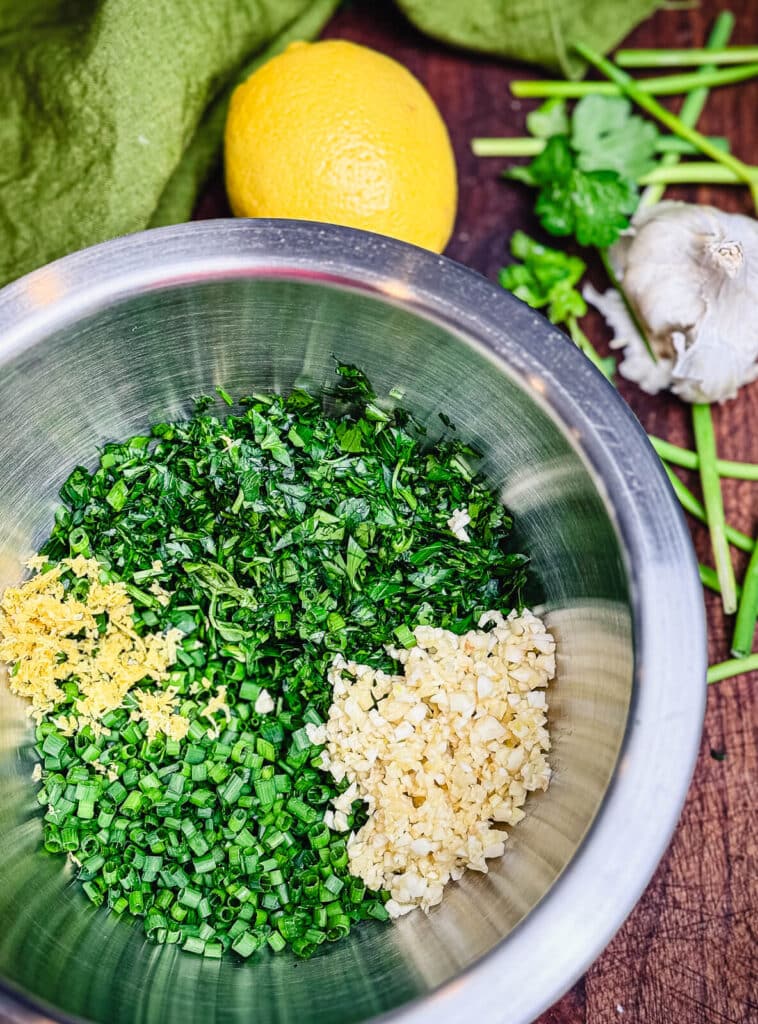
710, 371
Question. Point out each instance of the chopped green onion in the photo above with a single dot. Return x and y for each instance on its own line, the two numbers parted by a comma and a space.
246, 944
53, 744
405, 637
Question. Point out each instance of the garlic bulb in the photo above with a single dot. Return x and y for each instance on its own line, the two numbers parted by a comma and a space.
691, 274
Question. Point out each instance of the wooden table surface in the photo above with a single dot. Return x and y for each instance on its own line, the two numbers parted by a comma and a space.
687, 954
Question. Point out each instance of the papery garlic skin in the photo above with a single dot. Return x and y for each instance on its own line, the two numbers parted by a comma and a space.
691, 274
637, 364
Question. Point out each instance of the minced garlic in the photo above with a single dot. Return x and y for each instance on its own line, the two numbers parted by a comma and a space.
217, 702
439, 753
264, 703
457, 524
49, 636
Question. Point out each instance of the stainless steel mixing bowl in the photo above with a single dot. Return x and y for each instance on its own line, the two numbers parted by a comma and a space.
108, 340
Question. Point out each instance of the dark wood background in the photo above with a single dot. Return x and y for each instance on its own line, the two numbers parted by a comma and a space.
687, 954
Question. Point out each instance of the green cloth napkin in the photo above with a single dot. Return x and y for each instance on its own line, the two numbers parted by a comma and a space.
112, 111
534, 31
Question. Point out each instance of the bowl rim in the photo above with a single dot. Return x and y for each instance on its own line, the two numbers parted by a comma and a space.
668, 702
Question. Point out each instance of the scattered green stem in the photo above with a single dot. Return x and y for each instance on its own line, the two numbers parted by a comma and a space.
668, 172
532, 146
672, 144
700, 172
582, 342
747, 611
663, 85
686, 58
705, 443
693, 104
733, 667
688, 459
691, 504
523, 146
737, 470
709, 578
631, 89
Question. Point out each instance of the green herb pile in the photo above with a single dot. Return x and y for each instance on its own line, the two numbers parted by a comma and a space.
283, 536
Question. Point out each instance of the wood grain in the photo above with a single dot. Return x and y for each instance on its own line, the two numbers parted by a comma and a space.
687, 954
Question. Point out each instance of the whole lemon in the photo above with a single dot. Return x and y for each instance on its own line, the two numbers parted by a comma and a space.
336, 132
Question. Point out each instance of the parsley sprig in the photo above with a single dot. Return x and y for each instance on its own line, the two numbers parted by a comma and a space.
587, 172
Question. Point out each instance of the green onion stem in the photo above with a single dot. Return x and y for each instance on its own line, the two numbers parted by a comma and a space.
700, 172
686, 58
692, 105
680, 147
689, 460
691, 504
631, 89
664, 85
747, 610
709, 578
532, 146
523, 146
733, 667
705, 443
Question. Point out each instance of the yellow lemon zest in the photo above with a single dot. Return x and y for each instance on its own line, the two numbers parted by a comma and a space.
49, 636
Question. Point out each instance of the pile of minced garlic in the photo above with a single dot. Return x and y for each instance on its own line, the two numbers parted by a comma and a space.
49, 636
441, 755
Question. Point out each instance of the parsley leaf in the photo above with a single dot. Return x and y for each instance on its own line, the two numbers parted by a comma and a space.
607, 136
594, 206
551, 118
555, 163
545, 278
